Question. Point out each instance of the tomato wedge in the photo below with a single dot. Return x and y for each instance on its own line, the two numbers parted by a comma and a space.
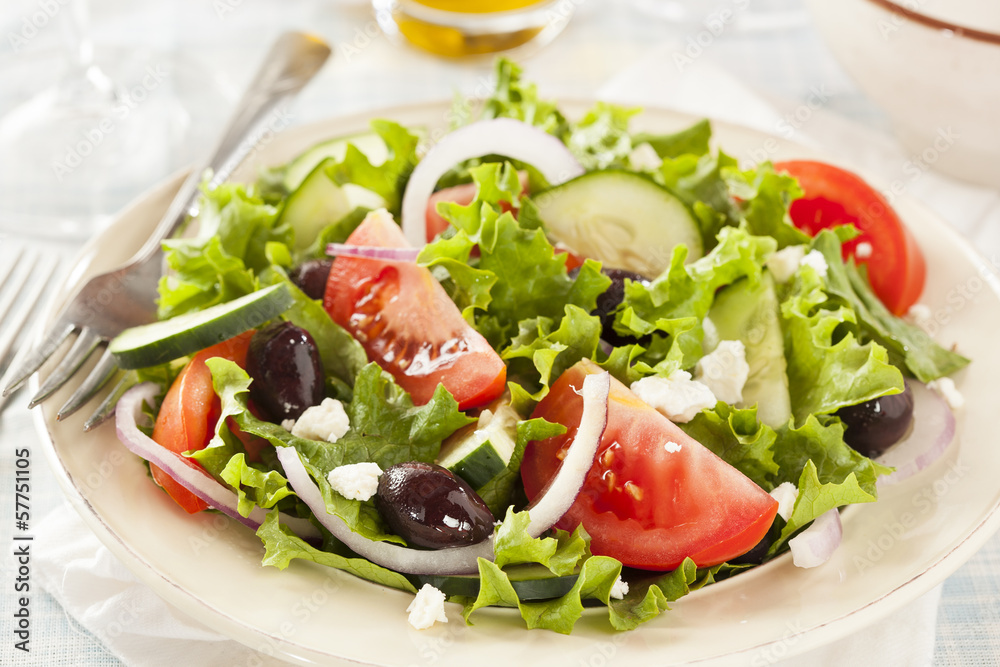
408, 324
654, 495
189, 412
834, 196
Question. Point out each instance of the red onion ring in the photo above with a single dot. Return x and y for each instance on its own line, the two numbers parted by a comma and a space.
372, 252
550, 507
195, 480
814, 545
931, 435
500, 136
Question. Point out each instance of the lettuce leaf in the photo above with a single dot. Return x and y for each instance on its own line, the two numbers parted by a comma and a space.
736, 437
672, 307
518, 267
828, 367
909, 347
218, 264
387, 179
281, 547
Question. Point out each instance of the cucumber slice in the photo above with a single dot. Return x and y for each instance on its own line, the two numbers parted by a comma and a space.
751, 314
480, 452
316, 203
530, 582
622, 219
368, 143
160, 342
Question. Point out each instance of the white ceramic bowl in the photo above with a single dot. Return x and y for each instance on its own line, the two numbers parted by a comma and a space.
934, 68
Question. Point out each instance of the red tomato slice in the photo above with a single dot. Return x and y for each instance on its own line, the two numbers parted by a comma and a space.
654, 495
459, 194
834, 196
189, 412
408, 324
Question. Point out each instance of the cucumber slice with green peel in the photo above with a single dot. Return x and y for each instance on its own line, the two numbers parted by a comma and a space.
530, 582
368, 143
316, 203
751, 314
160, 342
481, 451
623, 219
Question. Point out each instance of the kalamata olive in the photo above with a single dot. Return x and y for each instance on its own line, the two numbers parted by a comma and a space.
609, 300
756, 555
876, 425
311, 276
287, 375
429, 506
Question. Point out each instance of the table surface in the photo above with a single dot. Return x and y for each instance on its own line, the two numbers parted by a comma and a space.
221, 41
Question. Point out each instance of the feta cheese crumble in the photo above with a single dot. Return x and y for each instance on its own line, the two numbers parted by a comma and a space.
863, 250
785, 493
671, 447
644, 158
816, 260
426, 608
725, 371
619, 589
951, 395
677, 397
356, 481
784, 263
326, 421
920, 315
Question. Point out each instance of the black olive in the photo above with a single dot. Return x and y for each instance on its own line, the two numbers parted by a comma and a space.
609, 300
429, 506
311, 276
876, 425
287, 374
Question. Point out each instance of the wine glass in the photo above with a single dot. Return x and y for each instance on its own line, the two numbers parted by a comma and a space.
78, 150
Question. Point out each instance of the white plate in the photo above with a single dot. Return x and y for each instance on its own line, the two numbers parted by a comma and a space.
893, 551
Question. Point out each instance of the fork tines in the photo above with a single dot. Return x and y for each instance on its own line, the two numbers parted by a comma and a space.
25, 276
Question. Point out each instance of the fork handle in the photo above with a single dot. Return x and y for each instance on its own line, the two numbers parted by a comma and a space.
289, 65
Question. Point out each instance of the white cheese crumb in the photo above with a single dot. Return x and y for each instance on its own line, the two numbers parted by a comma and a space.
725, 371
326, 421
711, 339
922, 316
677, 397
946, 388
671, 447
427, 607
784, 263
288, 424
644, 158
816, 260
863, 250
786, 494
619, 589
355, 481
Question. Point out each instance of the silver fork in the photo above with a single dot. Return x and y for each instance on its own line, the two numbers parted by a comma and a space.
24, 279
112, 302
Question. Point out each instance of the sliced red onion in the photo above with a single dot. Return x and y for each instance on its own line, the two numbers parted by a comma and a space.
372, 252
558, 497
501, 136
562, 491
931, 435
197, 481
814, 545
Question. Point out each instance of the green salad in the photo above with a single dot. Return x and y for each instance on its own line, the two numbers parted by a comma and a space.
539, 362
